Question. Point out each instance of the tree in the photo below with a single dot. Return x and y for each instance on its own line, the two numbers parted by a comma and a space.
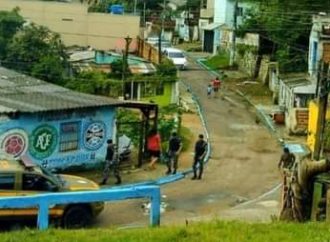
116, 69
37, 51
284, 27
10, 23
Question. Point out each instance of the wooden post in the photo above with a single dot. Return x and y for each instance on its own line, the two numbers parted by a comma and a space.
323, 104
160, 47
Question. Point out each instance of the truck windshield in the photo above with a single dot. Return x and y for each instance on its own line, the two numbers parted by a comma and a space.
56, 178
175, 55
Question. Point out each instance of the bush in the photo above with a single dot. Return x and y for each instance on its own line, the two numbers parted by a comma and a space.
166, 68
219, 61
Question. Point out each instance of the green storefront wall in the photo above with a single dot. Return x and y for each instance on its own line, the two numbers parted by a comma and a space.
165, 99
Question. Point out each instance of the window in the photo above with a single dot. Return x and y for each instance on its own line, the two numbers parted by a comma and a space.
160, 89
7, 181
204, 4
239, 11
35, 182
69, 136
147, 89
175, 55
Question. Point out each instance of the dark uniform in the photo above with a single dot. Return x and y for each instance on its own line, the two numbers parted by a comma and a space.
200, 152
111, 164
287, 159
174, 147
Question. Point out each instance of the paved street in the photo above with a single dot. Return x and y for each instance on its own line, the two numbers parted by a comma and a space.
242, 167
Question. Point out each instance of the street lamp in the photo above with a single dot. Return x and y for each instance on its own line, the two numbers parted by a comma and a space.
128, 41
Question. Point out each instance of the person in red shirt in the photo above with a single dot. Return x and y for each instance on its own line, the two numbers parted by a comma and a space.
216, 83
154, 148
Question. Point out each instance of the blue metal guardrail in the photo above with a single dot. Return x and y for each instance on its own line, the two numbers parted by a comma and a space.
44, 201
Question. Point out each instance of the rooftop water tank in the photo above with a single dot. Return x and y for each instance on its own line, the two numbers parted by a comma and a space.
116, 9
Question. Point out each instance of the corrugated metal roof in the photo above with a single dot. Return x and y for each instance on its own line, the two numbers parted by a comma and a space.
22, 93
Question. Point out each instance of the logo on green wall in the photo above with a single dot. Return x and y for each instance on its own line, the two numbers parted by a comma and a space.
43, 141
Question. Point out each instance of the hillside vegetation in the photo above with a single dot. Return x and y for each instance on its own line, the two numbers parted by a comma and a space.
201, 232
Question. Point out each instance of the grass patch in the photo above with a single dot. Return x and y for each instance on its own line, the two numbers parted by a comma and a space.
255, 90
219, 61
187, 137
190, 47
206, 232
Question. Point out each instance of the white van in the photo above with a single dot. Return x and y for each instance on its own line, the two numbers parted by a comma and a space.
177, 57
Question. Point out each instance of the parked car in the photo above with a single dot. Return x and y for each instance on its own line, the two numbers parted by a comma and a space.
177, 57
23, 178
154, 41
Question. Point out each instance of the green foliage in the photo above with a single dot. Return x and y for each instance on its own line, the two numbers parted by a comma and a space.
166, 68
129, 120
49, 68
326, 141
116, 69
232, 231
284, 28
219, 61
291, 61
38, 51
10, 22
166, 125
192, 4
95, 82
242, 49
129, 124
186, 137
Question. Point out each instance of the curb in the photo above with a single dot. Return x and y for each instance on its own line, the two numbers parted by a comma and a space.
200, 62
264, 118
201, 116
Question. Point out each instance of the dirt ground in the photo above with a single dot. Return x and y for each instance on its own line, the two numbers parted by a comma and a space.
242, 167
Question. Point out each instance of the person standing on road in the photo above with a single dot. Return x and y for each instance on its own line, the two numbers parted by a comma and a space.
174, 149
287, 159
200, 153
111, 163
154, 148
216, 83
209, 90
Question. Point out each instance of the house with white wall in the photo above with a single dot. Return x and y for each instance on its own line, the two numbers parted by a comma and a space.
216, 15
319, 43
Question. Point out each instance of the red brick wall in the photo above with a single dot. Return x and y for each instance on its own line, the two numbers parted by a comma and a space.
147, 51
326, 52
302, 119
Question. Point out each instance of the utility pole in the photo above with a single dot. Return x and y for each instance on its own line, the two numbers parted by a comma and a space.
160, 47
144, 13
161, 34
322, 92
135, 7
163, 16
128, 41
233, 41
